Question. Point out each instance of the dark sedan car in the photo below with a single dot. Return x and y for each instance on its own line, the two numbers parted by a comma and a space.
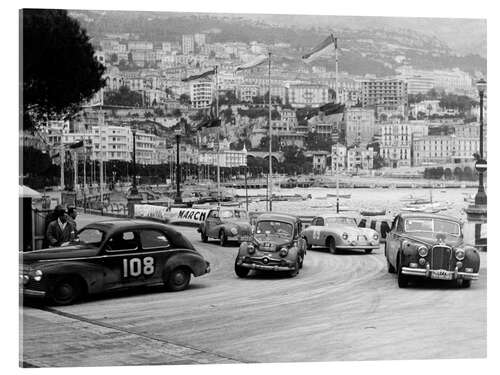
111, 255
430, 246
276, 245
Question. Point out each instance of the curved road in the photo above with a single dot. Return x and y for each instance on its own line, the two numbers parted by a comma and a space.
340, 307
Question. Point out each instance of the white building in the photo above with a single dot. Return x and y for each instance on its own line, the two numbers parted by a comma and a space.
444, 149
307, 95
339, 157
187, 44
201, 93
200, 39
396, 141
360, 125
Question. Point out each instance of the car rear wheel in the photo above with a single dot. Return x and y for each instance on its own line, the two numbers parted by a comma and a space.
178, 279
368, 251
222, 238
65, 291
332, 247
241, 271
204, 237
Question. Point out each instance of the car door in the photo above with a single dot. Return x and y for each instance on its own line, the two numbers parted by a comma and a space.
121, 260
308, 232
212, 223
300, 239
393, 240
318, 232
156, 248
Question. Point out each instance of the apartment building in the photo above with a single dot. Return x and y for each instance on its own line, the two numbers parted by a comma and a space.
388, 97
201, 93
441, 149
359, 125
187, 44
307, 95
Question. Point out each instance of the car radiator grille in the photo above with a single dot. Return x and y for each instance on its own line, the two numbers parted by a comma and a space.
440, 257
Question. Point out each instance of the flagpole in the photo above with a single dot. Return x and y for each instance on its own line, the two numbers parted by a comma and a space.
61, 156
218, 131
336, 100
270, 176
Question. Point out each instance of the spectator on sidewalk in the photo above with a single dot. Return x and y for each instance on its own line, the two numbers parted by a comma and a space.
72, 214
59, 231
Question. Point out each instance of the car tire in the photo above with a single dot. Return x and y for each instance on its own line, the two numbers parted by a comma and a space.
65, 291
402, 279
464, 283
295, 272
178, 279
330, 243
308, 245
368, 251
241, 272
204, 237
390, 267
222, 238
301, 261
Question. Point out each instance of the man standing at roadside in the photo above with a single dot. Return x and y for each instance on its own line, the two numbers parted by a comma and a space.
60, 231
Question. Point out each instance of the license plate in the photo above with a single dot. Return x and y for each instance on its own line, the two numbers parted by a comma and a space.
361, 238
441, 275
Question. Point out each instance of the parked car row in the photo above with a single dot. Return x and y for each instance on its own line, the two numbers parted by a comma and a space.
118, 254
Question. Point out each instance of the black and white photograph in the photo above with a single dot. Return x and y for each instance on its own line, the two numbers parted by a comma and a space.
244, 188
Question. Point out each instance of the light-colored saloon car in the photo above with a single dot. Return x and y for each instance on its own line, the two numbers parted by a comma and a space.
340, 232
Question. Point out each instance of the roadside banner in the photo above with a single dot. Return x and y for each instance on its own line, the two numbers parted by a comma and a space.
174, 215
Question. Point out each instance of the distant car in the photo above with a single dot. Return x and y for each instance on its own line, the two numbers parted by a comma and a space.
226, 224
430, 246
380, 224
340, 232
276, 245
111, 255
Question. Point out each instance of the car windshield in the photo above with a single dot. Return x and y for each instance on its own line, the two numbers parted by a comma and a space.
226, 214
90, 237
432, 225
332, 221
274, 227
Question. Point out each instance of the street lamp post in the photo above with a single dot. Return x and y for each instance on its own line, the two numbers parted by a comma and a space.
133, 190
178, 198
481, 194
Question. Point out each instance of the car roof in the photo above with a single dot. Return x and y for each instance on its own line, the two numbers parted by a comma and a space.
425, 215
278, 216
326, 216
130, 224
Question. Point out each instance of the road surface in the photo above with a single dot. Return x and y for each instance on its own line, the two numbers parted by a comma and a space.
340, 307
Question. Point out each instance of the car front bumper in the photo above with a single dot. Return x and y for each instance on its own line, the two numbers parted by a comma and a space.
358, 247
439, 274
32, 292
265, 267
238, 237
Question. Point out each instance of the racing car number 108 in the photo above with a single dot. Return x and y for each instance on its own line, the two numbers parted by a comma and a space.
136, 267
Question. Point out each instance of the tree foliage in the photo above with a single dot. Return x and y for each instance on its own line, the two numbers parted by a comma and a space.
59, 68
123, 97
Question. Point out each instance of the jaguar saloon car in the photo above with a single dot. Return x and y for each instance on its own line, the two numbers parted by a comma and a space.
340, 232
111, 255
226, 224
430, 246
276, 245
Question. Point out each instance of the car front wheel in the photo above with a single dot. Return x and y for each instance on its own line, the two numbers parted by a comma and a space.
332, 247
222, 238
241, 271
204, 237
178, 279
65, 291
402, 279
295, 271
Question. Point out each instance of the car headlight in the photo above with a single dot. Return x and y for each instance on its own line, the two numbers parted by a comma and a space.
345, 236
460, 254
423, 251
234, 230
38, 275
375, 236
251, 249
283, 252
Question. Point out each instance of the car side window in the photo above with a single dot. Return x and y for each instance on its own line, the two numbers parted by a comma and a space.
320, 221
214, 214
400, 226
151, 239
313, 222
123, 241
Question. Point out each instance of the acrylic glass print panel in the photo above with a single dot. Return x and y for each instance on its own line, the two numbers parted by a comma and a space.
235, 188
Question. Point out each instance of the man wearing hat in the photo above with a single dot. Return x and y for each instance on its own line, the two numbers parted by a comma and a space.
60, 231
72, 214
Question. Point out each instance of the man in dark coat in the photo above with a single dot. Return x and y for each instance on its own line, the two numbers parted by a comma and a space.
72, 214
60, 231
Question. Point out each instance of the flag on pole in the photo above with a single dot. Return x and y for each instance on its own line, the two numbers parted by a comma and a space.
252, 64
199, 76
320, 49
78, 144
327, 109
211, 121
